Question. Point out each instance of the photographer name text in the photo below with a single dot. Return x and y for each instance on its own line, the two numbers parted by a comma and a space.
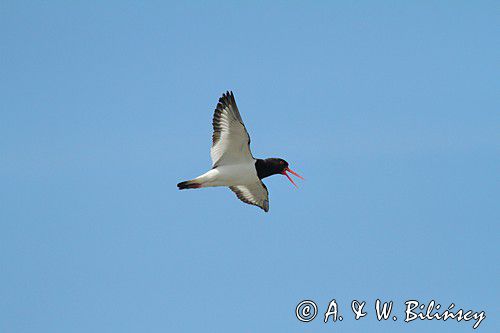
307, 310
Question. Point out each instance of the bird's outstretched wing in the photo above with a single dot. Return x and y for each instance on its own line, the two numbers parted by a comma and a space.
230, 140
254, 194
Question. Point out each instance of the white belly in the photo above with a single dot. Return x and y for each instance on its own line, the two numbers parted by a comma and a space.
229, 175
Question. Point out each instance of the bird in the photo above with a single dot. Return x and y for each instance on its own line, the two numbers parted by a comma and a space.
233, 164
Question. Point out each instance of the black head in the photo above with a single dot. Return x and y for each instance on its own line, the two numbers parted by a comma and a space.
274, 166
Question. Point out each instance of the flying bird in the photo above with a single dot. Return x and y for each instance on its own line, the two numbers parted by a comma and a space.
232, 162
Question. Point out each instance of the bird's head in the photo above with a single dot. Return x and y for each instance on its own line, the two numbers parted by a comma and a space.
274, 166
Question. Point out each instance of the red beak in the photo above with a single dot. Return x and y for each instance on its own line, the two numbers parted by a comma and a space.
293, 173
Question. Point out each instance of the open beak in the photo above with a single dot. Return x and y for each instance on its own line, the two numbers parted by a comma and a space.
293, 173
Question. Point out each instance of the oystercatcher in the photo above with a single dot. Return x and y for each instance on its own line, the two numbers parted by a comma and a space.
232, 162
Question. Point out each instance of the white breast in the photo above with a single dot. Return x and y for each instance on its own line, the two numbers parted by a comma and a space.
229, 175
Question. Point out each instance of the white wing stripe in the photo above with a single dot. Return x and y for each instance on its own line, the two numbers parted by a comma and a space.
254, 194
230, 140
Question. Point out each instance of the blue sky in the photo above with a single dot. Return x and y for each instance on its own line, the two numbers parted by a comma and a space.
389, 110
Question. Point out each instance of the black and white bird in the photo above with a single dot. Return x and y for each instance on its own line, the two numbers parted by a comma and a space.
232, 162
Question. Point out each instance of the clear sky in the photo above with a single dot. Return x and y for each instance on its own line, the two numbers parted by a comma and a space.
389, 109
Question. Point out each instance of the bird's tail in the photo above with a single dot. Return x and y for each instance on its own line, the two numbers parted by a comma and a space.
188, 184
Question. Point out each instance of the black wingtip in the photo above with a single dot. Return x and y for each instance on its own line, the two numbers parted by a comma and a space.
226, 99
